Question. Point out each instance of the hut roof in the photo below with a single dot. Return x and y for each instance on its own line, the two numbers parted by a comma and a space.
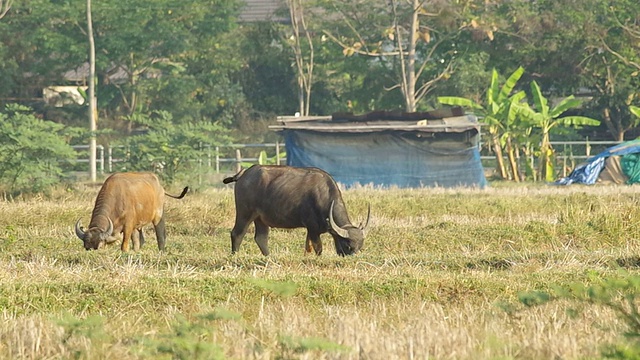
440, 120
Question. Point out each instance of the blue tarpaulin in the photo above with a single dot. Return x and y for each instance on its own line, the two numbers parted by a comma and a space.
390, 158
588, 172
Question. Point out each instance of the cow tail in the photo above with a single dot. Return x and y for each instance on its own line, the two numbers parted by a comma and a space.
184, 192
234, 177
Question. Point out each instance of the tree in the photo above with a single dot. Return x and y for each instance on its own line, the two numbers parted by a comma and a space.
500, 112
412, 41
304, 59
170, 147
32, 151
546, 118
93, 110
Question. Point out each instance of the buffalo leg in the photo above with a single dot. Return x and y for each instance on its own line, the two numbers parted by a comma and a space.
135, 238
237, 233
141, 237
307, 246
126, 236
161, 234
262, 236
315, 241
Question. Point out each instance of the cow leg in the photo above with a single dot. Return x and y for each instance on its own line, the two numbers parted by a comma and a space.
161, 234
262, 236
315, 241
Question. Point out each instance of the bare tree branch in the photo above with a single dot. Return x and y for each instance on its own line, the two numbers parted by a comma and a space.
359, 51
5, 5
305, 70
619, 56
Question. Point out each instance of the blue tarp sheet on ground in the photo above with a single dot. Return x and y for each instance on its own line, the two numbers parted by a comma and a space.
388, 158
588, 172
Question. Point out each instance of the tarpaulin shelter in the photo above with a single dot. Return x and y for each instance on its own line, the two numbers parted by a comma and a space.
618, 164
435, 148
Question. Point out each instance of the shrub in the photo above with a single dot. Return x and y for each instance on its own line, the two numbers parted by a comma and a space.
169, 147
32, 151
619, 293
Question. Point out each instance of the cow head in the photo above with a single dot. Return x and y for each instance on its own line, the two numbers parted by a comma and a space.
348, 238
94, 237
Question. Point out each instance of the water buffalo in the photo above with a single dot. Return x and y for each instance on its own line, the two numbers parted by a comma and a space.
126, 202
290, 197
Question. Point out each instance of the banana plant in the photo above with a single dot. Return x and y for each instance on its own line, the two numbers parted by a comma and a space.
545, 118
500, 112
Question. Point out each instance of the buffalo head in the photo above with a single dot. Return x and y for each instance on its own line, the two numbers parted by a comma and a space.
95, 238
348, 239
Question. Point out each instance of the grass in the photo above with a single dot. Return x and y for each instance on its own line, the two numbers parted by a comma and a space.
439, 277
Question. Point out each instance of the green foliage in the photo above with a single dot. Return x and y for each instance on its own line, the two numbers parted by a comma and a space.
169, 148
544, 119
284, 289
32, 151
188, 340
500, 112
9, 237
620, 294
90, 328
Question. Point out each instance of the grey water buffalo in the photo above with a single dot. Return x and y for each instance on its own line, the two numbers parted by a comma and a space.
125, 203
290, 197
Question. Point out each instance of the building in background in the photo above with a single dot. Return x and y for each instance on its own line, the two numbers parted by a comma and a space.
388, 149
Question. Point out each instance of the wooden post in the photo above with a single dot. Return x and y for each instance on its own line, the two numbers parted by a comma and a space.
217, 159
277, 153
110, 158
238, 161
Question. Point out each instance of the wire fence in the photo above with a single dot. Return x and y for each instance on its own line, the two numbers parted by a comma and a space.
217, 158
229, 158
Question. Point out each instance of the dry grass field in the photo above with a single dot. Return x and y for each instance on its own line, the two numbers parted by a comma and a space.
439, 277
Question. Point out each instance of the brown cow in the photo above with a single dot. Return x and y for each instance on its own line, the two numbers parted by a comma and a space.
126, 202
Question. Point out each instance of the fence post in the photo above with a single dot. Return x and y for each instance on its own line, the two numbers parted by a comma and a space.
217, 159
564, 161
277, 152
238, 161
110, 159
101, 148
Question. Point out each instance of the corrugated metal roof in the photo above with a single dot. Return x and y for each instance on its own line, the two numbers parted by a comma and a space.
264, 10
442, 120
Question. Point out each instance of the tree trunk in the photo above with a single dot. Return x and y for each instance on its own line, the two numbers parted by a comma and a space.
617, 133
304, 69
512, 160
93, 108
497, 149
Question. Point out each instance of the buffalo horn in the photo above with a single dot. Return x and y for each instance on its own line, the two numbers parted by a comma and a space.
338, 230
79, 232
366, 223
110, 229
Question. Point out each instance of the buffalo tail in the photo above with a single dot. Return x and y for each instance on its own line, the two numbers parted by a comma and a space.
184, 192
234, 177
